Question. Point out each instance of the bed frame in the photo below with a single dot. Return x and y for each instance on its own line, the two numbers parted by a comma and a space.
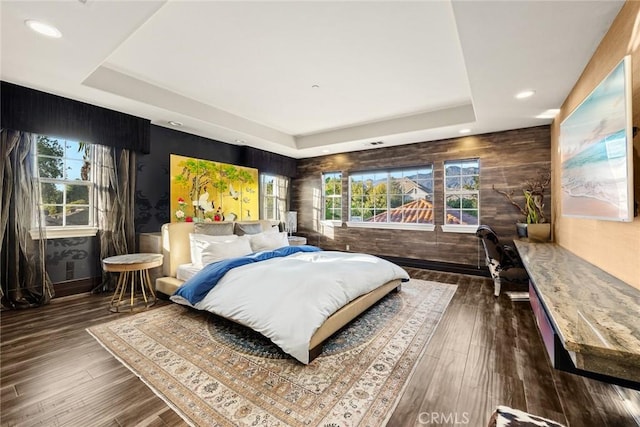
176, 251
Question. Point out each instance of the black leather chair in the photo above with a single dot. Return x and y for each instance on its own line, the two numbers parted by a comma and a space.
503, 261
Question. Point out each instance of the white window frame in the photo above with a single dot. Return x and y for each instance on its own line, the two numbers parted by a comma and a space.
330, 221
388, 224
278, 199
459, 228
64, 230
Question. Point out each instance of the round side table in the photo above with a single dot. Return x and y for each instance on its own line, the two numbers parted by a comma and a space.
132, 267
297, 240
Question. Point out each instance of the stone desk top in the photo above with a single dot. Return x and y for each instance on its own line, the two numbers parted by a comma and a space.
596, 315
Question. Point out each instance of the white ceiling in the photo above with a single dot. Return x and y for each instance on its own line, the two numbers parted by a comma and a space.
243, 72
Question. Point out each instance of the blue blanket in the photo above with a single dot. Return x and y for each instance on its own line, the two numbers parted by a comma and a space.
197, 287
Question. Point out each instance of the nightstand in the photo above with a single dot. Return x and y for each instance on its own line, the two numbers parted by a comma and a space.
297, 240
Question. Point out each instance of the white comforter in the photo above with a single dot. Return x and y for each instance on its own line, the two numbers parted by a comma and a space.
288, 299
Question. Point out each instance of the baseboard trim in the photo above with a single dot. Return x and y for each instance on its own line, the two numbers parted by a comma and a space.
448, 267
73, 287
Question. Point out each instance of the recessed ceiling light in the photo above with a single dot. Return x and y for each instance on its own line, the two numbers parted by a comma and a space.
525, 94
239, 141
174, 123
464, 131
325, 151
43, 28
548, 114
315, 86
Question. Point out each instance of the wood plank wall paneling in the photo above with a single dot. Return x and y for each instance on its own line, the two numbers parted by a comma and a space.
506, 159
612, 246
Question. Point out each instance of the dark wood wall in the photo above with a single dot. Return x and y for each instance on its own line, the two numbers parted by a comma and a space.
153, 180
506, 160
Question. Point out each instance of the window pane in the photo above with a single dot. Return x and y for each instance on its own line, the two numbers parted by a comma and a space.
471, 182
49, 167
52, 193
453, 201
470, 201
453, 183
77, 215
452, 169
75, 150
77, 170
425, 216
395, 201
470, 168
50, 147
470, 216
53, 215
77, 194
453, 216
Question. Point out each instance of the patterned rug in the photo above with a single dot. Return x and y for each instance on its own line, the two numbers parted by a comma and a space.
213, 372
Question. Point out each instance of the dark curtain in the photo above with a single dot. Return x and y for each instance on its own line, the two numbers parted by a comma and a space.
43, 113
24, 280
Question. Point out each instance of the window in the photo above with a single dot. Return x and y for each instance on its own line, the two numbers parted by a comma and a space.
66, 182
397, 198
462, 195
274, 190
332, 196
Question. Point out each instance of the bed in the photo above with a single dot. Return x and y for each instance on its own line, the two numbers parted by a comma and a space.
177, 249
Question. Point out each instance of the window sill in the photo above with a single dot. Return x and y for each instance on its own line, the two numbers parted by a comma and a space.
392, 226
468, 229
64, 232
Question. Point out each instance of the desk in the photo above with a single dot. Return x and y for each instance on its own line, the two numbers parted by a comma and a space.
132, 267
587, 317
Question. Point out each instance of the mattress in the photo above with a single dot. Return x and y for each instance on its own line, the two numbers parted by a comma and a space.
187, 271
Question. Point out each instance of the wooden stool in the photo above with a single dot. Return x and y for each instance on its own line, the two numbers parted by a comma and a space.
132, 266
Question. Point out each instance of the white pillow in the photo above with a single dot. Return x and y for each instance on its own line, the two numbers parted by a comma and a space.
200, 241
218, 251
268, 241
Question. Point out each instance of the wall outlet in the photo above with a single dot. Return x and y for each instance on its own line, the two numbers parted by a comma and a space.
347, 248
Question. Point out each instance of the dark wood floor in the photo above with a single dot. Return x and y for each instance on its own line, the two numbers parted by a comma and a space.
485, 352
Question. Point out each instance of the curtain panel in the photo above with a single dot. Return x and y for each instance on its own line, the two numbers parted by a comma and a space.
283, 197
42, 113
115, 182
23, 276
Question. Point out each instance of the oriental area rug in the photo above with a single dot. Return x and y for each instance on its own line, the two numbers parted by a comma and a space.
214, 372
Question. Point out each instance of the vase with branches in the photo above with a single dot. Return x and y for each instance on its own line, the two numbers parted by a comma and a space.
533, 190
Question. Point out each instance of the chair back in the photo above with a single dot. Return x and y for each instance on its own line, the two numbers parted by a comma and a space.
492, 247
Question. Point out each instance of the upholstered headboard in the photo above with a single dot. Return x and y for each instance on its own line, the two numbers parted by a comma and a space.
176, 250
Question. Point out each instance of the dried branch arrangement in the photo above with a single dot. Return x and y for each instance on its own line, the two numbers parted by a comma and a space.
533, 190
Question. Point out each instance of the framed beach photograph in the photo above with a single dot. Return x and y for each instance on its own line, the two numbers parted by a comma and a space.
596, 151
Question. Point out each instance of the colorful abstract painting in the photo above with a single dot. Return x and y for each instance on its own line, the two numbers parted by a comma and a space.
207, 191
595, 151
